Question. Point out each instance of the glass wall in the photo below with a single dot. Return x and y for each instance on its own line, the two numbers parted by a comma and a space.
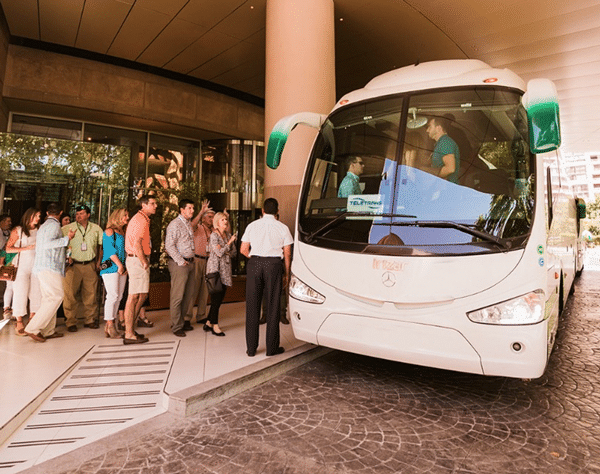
35, 171
46, 159
233, 178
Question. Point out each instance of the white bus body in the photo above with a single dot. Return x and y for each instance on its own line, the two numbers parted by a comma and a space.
467, 273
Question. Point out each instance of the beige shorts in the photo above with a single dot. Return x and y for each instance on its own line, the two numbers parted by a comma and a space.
139, 279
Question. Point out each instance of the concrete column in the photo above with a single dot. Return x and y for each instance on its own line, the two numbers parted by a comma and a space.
300, 77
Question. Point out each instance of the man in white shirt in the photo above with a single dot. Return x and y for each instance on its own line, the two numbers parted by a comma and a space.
268, 244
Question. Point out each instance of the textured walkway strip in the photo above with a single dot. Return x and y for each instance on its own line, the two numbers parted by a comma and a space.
112, 388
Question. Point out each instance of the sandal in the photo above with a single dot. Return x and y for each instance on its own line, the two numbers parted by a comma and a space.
20, 331
144, 323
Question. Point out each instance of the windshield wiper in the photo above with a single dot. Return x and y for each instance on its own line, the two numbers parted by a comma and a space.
462, 227
338, 219
325, 227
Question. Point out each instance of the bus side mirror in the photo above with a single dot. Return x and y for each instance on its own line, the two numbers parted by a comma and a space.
281, 132
541, 103
581, 209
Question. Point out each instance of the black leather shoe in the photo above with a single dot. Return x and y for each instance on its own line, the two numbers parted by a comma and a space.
206, 327
284, 320
134, 341
279, 350
220, 334
251, 353
92, 325
262, 321
72, 328
180, 333
187, 326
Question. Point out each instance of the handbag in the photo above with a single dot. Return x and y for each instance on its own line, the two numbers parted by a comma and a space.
213, 282
8, 273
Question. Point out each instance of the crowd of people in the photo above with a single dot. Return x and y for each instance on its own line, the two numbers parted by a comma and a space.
60, 263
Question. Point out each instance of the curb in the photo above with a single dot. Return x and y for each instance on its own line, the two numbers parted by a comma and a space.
194, 399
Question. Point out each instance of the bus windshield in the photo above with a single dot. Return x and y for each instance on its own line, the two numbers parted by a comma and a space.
432, 173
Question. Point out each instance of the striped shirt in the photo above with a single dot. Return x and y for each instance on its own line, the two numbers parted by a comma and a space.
179, 241
50, 248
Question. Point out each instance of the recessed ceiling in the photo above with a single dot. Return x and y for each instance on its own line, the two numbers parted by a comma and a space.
223, 41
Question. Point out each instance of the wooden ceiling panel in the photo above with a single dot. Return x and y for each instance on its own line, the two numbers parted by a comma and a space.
22, 17
174, 39
208, 12
573, 23
59, 20
201, 51
240, 53
245, 21
549, 47
100, 23
141, 27
254, 85
170, 7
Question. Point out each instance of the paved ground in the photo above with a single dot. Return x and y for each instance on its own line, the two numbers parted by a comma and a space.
345, 413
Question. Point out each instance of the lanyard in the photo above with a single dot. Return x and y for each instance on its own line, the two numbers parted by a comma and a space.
188, 226
82, 233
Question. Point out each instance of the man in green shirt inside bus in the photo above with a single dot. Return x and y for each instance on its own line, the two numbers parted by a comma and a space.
350, 184
445, 160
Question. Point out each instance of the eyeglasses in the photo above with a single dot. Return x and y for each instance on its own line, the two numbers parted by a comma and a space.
362, 163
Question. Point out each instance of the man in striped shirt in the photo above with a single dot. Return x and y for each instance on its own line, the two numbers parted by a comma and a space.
179, 244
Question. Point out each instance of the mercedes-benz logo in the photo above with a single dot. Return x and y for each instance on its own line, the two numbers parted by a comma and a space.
388, 279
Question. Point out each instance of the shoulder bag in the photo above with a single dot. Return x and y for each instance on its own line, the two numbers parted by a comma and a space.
9, 272
213, 282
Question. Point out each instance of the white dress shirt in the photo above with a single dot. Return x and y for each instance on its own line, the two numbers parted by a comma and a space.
267, 237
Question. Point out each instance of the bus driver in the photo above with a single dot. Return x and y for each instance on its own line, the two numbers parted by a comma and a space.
350, 185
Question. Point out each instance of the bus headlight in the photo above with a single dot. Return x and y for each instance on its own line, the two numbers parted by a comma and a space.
301, 291
526, 309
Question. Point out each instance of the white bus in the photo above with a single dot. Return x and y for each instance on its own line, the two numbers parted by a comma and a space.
467, 272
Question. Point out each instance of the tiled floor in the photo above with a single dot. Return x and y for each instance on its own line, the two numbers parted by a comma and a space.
68, 392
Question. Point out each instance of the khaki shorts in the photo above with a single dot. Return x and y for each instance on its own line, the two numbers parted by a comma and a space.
139, 279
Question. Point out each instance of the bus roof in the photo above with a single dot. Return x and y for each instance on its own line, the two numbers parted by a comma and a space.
433, 75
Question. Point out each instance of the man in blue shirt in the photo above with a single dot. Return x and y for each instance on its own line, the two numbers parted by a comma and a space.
350, 183
49, 267
445, 160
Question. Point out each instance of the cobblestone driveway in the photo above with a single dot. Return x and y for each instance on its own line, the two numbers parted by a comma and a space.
348, 413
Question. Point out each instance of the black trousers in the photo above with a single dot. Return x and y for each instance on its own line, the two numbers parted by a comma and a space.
263, 275
215, 304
